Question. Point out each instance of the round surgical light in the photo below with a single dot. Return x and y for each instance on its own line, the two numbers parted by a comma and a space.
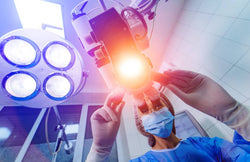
38, 69
58, 86
20, 51
59, 55
21, 85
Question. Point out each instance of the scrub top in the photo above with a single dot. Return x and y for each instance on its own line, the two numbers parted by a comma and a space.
203, 149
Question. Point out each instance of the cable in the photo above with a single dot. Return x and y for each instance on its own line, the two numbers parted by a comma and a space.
47, 137
137, 13
145, 3
153, 22
149, 7
101, 2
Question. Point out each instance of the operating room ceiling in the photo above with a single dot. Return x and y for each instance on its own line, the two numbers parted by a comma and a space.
167, 15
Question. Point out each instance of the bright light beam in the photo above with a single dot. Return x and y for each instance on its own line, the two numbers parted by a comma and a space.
133, 71
131, 67
4, 133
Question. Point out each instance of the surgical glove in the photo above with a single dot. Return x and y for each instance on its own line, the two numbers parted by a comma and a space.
206, 95
197, 90
105, 123
238, 118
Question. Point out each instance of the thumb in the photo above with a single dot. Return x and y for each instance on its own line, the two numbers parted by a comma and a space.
161, 78
182, 95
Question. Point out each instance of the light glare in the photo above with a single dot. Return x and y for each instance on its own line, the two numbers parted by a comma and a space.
32, 14
133, 71
72, 129
4, 133
20, 85
58, 86
19, 52
131, 67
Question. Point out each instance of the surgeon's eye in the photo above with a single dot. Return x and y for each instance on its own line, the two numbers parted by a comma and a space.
143, 108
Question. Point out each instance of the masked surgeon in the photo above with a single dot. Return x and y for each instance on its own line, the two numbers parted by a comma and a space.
154, 115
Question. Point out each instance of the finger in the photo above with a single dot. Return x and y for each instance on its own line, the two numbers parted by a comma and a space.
184, 78
119, 108
169, 78
115, 98
148, 102
101, 115
111, 113
179, 83
183, 73
178, 92
113, 101
161, 78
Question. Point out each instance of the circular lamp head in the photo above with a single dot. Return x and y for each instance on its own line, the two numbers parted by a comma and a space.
59, 55
21, 85
58, 86
20, 51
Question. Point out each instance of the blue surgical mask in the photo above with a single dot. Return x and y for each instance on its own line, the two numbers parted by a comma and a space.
158, 123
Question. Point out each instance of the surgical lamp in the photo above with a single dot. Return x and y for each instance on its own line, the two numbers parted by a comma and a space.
116, 41
39, 69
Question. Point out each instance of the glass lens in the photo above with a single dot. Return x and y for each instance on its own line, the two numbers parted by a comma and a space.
20, 85
58, 86
58, 56
19, 52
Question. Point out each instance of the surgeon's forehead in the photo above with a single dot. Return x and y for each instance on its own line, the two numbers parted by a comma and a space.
158, 102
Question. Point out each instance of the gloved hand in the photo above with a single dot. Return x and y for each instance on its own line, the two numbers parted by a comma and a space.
105, 124
206, 95
197, 90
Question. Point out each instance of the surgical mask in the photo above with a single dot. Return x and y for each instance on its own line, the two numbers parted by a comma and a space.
158, 123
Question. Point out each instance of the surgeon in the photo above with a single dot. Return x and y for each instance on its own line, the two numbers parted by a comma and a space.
155, 119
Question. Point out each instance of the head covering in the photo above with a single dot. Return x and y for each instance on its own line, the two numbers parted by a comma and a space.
138, 122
